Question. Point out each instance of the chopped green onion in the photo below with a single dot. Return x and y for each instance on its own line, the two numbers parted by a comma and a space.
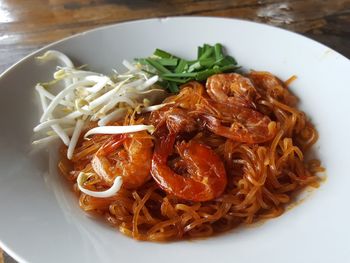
177, 80
207, 51
190, 74
154, 63
174, 71
207, 62
199, 52
181, 66
168, 61
173, 87
194, 66
218, 51
162, 54
228, 60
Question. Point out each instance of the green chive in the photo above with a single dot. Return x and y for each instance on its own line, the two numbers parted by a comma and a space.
154, 63
179, 75
181, 66
162, 54
208, 50
194, 66
199, 52
168, 61
207, 62
218, 51
177, 80
173, 87
175, 71
227, 60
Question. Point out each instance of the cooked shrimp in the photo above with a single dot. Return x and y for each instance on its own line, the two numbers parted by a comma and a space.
177, 120
270, 86
256, 129
232, 89
235, 122
128, 156
205, 178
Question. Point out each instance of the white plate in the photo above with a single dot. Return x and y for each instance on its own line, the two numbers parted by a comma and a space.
40, 220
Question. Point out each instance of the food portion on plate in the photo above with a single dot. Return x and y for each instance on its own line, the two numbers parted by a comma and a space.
175, 148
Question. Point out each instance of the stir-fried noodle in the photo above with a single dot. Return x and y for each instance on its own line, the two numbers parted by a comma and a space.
227, 152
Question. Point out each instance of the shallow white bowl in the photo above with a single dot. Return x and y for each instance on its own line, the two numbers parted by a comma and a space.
40, 220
